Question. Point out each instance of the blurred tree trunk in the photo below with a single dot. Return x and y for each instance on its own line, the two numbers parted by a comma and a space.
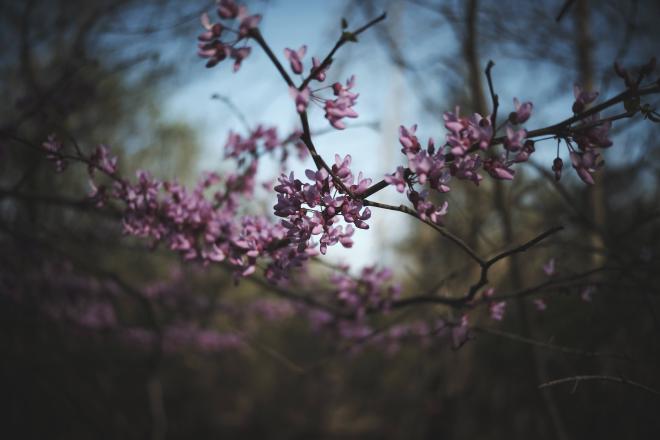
584, 47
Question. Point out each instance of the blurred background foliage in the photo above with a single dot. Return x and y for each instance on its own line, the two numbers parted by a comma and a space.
99, 70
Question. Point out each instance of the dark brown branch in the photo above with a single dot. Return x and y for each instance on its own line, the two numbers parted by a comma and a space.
343, 39
256, 35
456, 240
493, 96
525, 246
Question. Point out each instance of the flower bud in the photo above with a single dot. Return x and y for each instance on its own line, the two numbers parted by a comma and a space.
557, 166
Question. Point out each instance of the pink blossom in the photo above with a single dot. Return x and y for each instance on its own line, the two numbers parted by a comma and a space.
499, 168
103, 161
295, 58
549, 268
497, 310
540, 304
227, 9
409, 141
585, 164
342, 106
522, 113
247, 22
582, 98
238, 55
301, 98
397, 179
514, 139
587, 293
320, 74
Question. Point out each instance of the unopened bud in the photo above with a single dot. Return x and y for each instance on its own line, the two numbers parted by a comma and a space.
557, 166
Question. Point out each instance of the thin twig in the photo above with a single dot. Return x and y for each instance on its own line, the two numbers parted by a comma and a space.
559, 348
577, 379
564, 9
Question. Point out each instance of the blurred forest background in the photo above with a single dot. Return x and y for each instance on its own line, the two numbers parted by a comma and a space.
79, 302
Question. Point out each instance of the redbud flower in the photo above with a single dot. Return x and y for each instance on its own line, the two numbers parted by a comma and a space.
582, 98
342, 106
320, 75
522, 113
585, 164
397, 179
499, 168
301, 98
540, 304
227, 9
295, 58
497, 310
549, 268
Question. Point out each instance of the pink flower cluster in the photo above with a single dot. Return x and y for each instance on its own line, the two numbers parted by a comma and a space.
459, 157
342, 106
335, 109
369, 291
589, 135
53, 149
313, 209
213, 47
262, 140
202, 224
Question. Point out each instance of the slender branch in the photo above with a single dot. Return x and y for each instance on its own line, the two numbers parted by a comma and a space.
577, 379
493, 96
467, 299
564, 9
445, 233
256, 35
551, 284
553, 347
343, 39
560, 126
525, 246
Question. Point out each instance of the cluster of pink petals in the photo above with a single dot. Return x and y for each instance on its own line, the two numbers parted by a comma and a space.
496, 309
370, 291
301, 98
342, 106
459, 157
582, 98
586, 163
213, 47
426, 210
590, 135
466, 132
201, 223
595, 136
262, 140
425, 167
295, 58
313, 209
53, 149
522, 112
